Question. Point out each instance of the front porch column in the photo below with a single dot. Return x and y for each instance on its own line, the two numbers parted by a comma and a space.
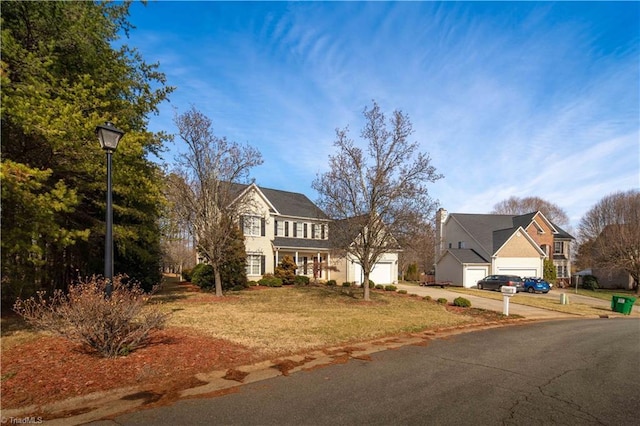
277, 254
297, 264
328, 269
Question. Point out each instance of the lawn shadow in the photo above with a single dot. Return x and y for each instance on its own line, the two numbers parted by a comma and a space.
172, 290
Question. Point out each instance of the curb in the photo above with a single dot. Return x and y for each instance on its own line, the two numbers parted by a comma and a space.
99, 407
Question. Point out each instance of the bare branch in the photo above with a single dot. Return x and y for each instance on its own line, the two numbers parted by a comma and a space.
378, 197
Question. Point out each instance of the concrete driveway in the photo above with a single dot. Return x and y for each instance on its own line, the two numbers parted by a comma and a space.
493, 305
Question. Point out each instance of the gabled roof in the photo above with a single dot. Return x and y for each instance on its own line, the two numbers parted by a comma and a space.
492, 231
510, 233
286, 203
482, 226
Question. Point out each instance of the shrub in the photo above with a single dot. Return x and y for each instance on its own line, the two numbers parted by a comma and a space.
427, 298
186, 274
252, 283
402, 291
390, 287
379, 287
371, 283
346, 284
332, 283
203, 276
112, 327
462, 302
238, 288
590, 282
549, 272
286, 270
269, 280
412, 273
301, 280
442, 301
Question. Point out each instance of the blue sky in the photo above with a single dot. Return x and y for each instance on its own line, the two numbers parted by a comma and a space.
508, 98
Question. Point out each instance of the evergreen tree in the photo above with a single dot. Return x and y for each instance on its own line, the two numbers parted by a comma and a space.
60, 78
286, 270
233, 271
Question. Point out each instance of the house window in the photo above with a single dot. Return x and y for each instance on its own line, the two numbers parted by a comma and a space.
298, 230
316, 231
282, 228
303, 263
558, 247
324, 232
251, 225
561, 271
254, 264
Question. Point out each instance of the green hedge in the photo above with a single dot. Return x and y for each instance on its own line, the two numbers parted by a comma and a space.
462, 302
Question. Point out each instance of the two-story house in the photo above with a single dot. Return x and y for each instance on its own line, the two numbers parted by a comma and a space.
279, 223
472, 246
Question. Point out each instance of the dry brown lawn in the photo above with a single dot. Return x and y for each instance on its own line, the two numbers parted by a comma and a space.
206, 333
292, 319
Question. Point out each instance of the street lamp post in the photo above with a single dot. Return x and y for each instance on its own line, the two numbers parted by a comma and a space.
109, 136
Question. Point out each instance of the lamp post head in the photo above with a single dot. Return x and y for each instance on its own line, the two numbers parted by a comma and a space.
109, 136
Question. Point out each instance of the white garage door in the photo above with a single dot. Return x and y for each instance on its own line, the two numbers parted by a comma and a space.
381, 273
473, 275
521, 272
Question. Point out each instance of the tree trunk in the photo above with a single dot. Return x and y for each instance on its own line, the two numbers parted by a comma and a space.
365, 284
218, 281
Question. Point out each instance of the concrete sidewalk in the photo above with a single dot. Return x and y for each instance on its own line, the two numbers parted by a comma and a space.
528, 312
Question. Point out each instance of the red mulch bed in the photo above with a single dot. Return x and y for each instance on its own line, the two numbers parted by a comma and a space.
50, 369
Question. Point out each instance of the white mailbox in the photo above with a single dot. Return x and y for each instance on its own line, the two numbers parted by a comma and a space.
508, 290
507, 293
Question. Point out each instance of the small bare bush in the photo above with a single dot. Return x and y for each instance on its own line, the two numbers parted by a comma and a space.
113, 327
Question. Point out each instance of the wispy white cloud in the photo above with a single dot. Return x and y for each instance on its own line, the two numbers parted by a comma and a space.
509, 98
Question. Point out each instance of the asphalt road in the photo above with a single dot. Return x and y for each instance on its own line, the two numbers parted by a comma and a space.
570, 372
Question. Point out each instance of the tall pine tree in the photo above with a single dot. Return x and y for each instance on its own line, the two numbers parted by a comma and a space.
60, 78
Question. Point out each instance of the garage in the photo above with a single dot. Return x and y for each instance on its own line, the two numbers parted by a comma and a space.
381, 273
474, 274
520, 272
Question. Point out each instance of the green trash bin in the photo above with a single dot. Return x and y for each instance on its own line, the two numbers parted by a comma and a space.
622, 304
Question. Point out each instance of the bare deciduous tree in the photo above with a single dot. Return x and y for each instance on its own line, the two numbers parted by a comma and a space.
419, 249
377, 193
206, 189
515, 205
612, 229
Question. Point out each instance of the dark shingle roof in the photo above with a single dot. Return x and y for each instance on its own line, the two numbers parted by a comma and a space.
500, 237
493, 230
482, 226
293, 204
562, 233
467, 256
301, 243
288, 203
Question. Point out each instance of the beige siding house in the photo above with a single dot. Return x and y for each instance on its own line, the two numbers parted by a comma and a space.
280, 223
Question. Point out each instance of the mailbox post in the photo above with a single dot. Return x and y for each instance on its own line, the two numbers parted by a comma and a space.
507, 293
